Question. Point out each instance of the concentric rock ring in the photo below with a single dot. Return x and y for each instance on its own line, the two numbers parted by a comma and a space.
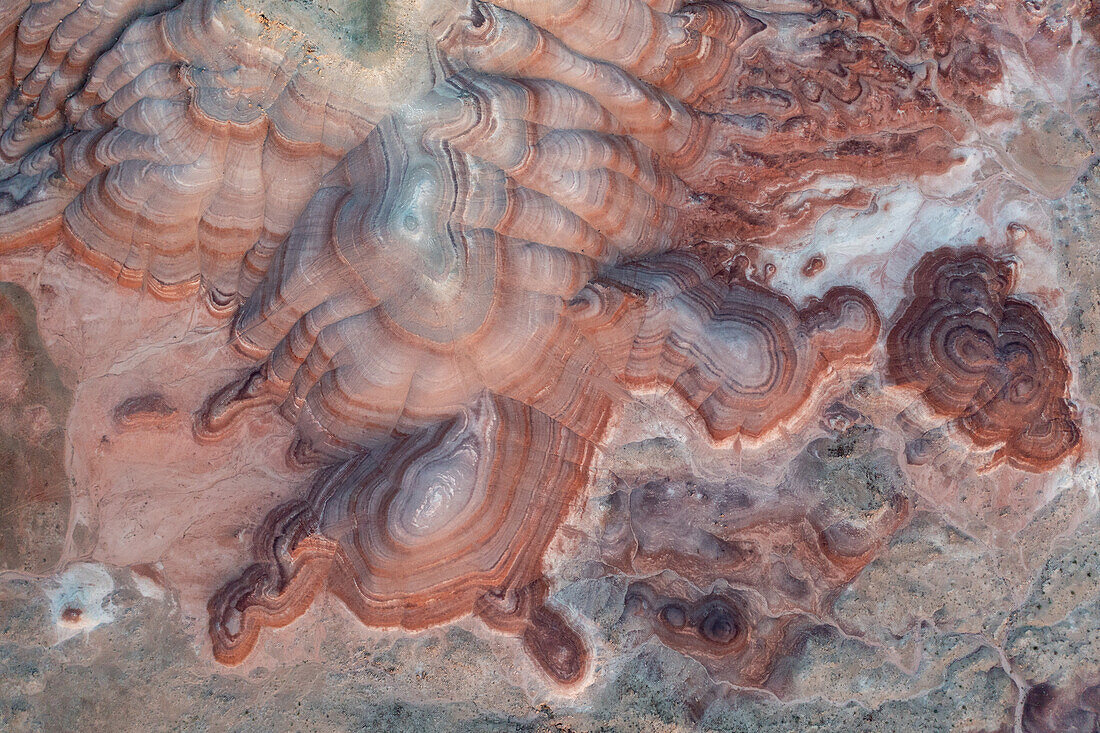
984, 359
419, 534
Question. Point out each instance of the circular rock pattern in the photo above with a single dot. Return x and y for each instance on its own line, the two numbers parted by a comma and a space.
452, 297
984, 359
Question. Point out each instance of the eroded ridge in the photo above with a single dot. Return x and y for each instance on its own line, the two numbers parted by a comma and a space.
419, 277
734, 106
442, 523
174, 144
984, 359
547, 636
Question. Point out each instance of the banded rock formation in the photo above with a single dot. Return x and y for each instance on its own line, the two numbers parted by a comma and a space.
422, 533
453, 294
724, 629
985, 360
739, 354
162, 147
734, 574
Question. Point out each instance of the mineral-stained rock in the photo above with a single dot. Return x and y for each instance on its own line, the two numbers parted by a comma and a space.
419, 533
150, 409
652, 360
985, 359
737, 352
723, 629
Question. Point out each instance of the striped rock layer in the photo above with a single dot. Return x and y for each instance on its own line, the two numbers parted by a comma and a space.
452, 294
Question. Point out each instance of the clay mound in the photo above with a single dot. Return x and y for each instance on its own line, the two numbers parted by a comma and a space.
726, 630
985, 360
442, 522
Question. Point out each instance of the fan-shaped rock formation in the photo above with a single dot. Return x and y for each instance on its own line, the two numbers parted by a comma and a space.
169, 150
985, 360
162, 147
